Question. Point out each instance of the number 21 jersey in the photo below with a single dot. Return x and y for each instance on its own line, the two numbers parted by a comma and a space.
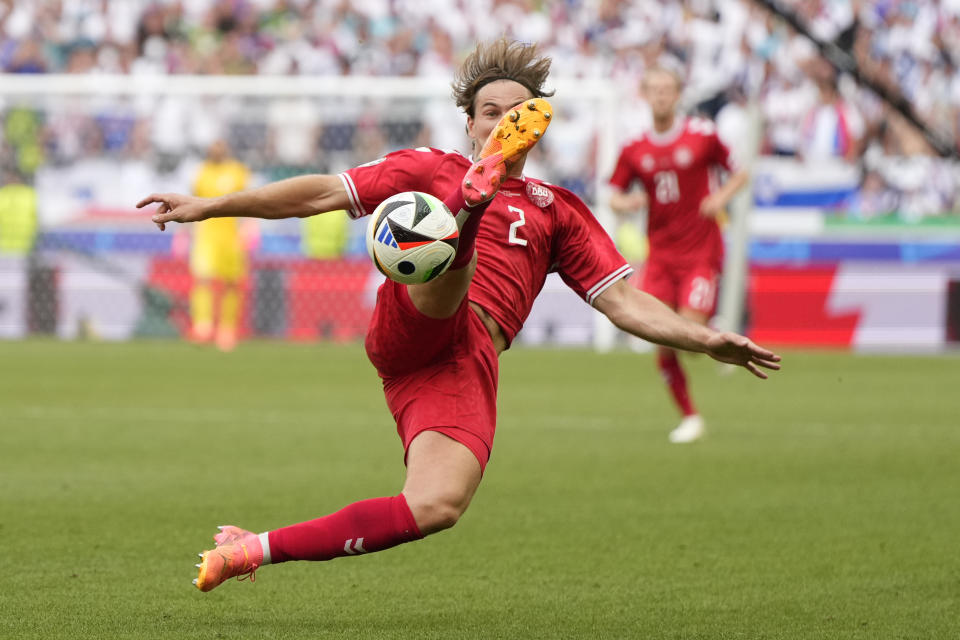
676, 169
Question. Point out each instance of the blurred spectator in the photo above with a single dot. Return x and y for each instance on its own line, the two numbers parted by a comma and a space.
832, 128
874, 199
294, 133
23, 128
910, 48
325, 237
27, 58
18, 214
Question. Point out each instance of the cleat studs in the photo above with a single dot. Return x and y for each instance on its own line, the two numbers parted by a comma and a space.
198, 566
467, 183
195, 581
514, 116
532, 105
483, 194
536, 133
200, 554
547, 115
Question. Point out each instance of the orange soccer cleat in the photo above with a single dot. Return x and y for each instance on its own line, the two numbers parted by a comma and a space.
238, 553
514, 135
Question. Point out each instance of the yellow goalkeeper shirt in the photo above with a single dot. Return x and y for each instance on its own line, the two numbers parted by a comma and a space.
214, 180
217, 248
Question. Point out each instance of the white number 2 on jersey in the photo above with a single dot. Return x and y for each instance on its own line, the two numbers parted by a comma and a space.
667, 186
512, 238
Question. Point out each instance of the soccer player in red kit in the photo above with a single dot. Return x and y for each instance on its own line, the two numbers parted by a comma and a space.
675, 163
436, 345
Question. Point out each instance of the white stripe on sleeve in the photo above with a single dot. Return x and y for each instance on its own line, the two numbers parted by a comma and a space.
356, 207
606, 282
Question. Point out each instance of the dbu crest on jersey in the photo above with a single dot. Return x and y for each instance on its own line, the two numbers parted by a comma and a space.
683, 156
539, 195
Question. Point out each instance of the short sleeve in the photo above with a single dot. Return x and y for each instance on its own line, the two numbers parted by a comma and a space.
721, 154
407, 170
584, 255
623, 172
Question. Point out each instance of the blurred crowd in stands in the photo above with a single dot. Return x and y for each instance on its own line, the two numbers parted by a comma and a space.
734, 53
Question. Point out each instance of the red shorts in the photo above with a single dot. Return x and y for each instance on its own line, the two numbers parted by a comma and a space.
438, 375
683, 286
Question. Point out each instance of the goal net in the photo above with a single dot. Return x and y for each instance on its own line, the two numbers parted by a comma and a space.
82, 262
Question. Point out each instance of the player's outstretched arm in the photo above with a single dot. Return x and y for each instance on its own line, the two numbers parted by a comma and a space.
297, 197
646, 317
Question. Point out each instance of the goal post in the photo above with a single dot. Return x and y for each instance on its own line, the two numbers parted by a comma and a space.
733, 287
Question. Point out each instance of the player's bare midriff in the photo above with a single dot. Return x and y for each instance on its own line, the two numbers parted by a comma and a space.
496, 333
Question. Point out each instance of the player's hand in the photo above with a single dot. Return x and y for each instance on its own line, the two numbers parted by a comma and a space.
627, 204
739, 350
175, 207
711, 206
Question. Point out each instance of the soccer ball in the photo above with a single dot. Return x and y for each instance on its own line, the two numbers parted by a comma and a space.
412, 237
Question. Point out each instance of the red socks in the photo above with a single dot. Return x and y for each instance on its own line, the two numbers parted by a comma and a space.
468, 228
362, 527
673, 375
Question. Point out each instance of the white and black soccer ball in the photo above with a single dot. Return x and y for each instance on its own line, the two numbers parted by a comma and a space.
412, 237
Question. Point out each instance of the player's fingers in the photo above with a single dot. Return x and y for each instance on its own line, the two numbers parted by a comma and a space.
760, 352
150, 199
768, 364
770, 358
161, 226
165, 215
164, 218
752, 368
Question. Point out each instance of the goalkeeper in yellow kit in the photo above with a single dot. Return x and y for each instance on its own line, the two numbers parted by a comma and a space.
218, 261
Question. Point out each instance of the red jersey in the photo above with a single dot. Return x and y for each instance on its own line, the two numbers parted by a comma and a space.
531, 228
675, 168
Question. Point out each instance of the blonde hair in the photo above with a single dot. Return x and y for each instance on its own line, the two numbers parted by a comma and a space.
665, 70
500, 60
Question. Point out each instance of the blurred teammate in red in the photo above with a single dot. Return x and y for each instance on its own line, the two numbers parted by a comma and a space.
436, 345
675, 163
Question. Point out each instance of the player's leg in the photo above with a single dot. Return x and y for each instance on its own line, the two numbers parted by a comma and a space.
202, 271
444, 463
201, 310
231, 267
442, 476
660, 280
516, 133
676, 380
698, 293
663, 281
229, 317
361, 527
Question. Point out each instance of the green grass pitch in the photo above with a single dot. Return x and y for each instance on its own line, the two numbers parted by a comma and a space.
825, 502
